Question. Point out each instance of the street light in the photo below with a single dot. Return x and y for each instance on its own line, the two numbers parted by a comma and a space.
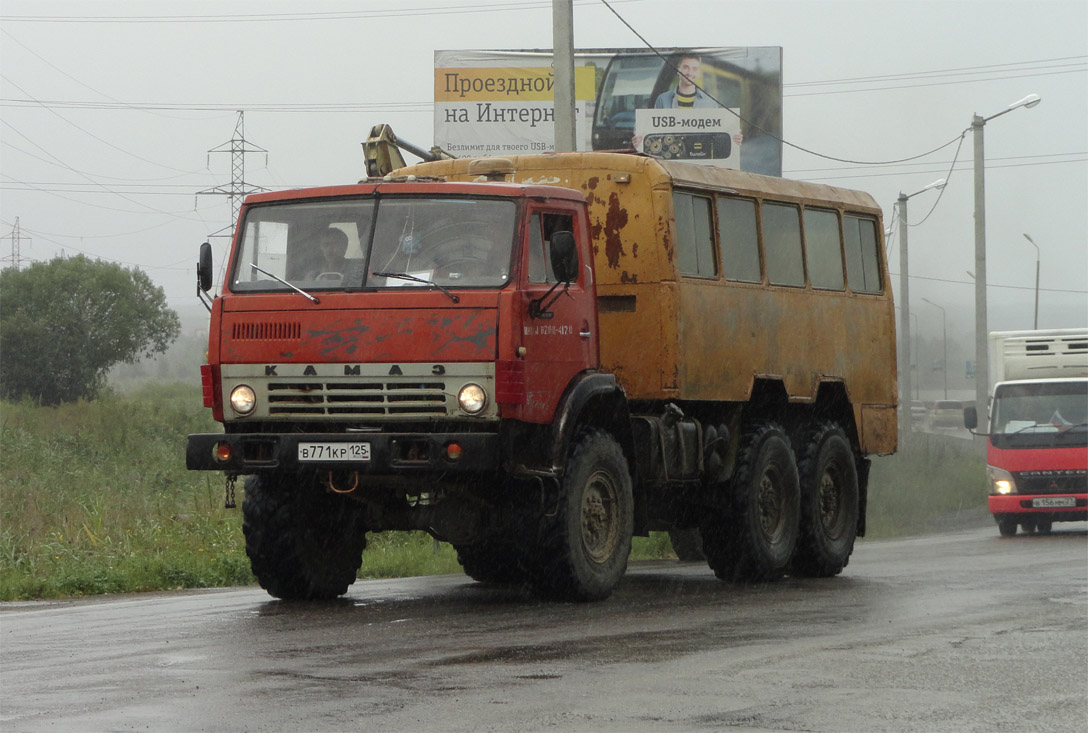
982, 370
944, 336
1037, 257
904, 302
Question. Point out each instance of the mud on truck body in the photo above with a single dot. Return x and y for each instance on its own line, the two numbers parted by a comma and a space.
535, 358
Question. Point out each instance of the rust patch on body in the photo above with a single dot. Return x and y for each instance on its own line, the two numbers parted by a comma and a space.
615, 221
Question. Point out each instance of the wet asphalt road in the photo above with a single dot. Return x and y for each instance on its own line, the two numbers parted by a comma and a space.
954, 632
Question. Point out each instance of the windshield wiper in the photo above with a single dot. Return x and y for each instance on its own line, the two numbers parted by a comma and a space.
300, 291
1058, 429
413, 278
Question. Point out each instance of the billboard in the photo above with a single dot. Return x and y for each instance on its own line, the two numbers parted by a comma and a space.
717, 106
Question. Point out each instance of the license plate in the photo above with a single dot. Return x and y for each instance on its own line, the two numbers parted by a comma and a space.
1051, 502
334, 451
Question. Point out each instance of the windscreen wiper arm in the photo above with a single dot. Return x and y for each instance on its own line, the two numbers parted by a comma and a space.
277, 278
413, 278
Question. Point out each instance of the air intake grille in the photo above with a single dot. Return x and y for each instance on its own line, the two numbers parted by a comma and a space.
426, 399
266, 331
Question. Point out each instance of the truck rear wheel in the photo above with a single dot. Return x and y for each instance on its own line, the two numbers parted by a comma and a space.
303, 543
687, 544
829, 503
490, 562
583, 551
754, 539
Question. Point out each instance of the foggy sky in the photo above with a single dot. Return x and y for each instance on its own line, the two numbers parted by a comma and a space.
109, 110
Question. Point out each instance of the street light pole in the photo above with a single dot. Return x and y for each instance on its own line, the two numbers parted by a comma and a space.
944, 337
905, 421
982, 369
1038, 256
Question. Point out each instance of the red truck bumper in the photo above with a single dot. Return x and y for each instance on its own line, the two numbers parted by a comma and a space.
1055, 507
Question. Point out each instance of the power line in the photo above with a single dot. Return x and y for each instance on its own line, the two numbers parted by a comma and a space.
769, 133
935, 72
991, 285
401, 12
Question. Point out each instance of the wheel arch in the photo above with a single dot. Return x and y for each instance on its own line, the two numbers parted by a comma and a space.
596, 400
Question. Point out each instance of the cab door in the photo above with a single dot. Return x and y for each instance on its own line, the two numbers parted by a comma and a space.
559, 323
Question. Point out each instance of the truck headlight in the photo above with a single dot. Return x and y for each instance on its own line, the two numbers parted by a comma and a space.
472, 398
243, 399
1001, 481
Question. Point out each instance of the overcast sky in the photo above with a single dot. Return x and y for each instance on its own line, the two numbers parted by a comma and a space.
109, 109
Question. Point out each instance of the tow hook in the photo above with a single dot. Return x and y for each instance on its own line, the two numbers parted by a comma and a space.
355, 484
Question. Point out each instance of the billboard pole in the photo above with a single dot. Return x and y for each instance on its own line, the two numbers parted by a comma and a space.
563, 65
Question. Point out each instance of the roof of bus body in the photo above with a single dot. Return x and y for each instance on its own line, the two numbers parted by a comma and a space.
663, 172
409, 186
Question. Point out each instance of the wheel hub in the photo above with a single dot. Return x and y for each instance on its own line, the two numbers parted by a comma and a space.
600, 529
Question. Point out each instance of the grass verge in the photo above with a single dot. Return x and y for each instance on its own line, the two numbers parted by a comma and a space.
95, 498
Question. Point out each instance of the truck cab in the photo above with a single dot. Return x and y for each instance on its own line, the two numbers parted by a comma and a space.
1037, 442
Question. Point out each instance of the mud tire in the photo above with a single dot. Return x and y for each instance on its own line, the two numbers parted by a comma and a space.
753, 540
584, 547
687, 544
303, 542
829, 503
490, 562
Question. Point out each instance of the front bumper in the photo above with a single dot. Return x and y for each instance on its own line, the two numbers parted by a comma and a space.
389, 453
1026, 504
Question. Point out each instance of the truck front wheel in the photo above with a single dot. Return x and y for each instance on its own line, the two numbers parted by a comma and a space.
754, 538
583, 551
303, 542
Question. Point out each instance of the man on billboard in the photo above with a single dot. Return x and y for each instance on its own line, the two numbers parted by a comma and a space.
687, 94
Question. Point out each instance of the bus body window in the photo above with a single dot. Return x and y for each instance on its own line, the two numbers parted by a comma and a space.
694, 235
862, 255
823, 249
782, 244
739, 238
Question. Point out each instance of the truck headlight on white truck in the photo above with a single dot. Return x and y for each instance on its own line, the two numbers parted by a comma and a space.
1001, 481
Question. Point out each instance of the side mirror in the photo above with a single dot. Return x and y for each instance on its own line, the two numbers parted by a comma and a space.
204, 268
564, 255
970, 418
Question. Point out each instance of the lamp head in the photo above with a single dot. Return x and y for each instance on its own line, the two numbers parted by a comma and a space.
1029, 101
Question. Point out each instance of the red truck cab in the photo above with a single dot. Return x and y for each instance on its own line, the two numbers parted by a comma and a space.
1037, 454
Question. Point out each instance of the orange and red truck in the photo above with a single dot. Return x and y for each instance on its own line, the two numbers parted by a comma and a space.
1037, 435
536, 358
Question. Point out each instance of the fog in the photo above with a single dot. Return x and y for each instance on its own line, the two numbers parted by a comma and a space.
109, 110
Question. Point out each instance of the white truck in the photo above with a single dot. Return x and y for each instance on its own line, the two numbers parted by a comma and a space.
1037, 436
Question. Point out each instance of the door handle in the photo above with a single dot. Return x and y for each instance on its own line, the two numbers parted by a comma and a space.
585, 334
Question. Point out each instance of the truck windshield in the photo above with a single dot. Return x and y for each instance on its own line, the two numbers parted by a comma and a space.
343, 244
1040, 413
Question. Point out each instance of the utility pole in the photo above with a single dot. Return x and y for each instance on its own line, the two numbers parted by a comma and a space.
563, 65
238, 188
16, 258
